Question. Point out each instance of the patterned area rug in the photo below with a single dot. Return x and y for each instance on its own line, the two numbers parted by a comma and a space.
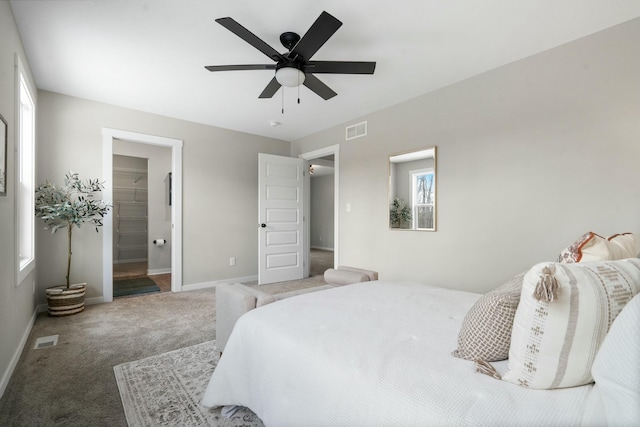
166, 390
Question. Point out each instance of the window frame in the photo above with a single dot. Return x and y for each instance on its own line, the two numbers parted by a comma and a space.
414, 174
24, 174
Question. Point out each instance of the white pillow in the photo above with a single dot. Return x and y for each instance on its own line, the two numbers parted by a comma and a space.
616, 369
589, 247
623, 245
592, 247
565, 312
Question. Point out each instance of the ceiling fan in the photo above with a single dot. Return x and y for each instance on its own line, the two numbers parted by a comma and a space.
295, 67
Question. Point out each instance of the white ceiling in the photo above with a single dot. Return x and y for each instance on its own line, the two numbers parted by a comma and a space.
150, 55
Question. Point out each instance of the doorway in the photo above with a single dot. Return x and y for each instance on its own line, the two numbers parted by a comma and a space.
172, 191
130, 179
321, 218
141, 219
318, 256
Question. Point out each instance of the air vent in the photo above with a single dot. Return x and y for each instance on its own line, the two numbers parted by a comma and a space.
356, 131
43, 342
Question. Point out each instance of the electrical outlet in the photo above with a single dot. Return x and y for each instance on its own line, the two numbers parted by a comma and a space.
232, 261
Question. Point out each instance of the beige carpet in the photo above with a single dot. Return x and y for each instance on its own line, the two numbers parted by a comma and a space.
319, 261
165, 390
72, 383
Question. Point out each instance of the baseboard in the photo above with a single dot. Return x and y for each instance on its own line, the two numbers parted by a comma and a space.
205, 285
16, 356
94, 300
129, 261
156, 271
323, 248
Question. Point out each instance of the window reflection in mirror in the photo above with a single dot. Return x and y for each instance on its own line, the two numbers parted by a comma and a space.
412, 190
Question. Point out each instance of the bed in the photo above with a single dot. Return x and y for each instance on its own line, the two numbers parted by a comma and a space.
374, 353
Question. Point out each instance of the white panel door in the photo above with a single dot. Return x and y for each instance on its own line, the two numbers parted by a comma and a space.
280, 218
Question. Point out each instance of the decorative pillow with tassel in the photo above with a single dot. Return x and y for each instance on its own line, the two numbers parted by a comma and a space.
564, 314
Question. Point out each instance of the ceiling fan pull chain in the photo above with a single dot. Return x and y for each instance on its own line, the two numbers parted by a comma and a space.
298, 89
282, 100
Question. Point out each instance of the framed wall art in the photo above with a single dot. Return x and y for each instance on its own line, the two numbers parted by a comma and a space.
3, 156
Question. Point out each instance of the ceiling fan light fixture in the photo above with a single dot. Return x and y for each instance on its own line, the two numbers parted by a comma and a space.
289, 76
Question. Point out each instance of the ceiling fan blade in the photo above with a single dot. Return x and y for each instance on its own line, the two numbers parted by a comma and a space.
340, 67
314, 83
240, 67
271, 89
321, 30
246, 35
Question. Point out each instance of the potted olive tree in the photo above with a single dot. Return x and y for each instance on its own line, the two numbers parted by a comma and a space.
72, 205
400, 213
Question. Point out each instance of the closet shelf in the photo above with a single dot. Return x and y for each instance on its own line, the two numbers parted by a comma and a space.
131, 171
131, 216
130, 202
129, 189
131, 247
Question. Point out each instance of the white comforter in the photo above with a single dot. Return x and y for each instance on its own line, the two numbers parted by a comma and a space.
372, 354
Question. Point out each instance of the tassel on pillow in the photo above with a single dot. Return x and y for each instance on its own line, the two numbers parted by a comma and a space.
487, 369
547, 287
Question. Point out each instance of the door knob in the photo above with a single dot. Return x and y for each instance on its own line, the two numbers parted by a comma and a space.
263, 225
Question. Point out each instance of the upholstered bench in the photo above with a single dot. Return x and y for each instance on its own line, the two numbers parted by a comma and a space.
234, 300
344, 275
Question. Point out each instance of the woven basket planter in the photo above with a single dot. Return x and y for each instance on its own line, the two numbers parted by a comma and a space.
65, 302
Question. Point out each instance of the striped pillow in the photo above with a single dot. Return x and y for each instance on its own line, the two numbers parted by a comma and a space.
564, 314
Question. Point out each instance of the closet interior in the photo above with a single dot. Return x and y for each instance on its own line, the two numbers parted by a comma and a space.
130, 200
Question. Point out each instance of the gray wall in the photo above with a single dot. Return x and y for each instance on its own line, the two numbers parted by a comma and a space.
530, 156
322, 213
17, 301
220, 190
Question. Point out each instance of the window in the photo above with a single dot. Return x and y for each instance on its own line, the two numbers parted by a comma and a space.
422, 198
25, 175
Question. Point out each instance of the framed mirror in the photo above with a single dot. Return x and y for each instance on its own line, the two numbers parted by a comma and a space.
412, 190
